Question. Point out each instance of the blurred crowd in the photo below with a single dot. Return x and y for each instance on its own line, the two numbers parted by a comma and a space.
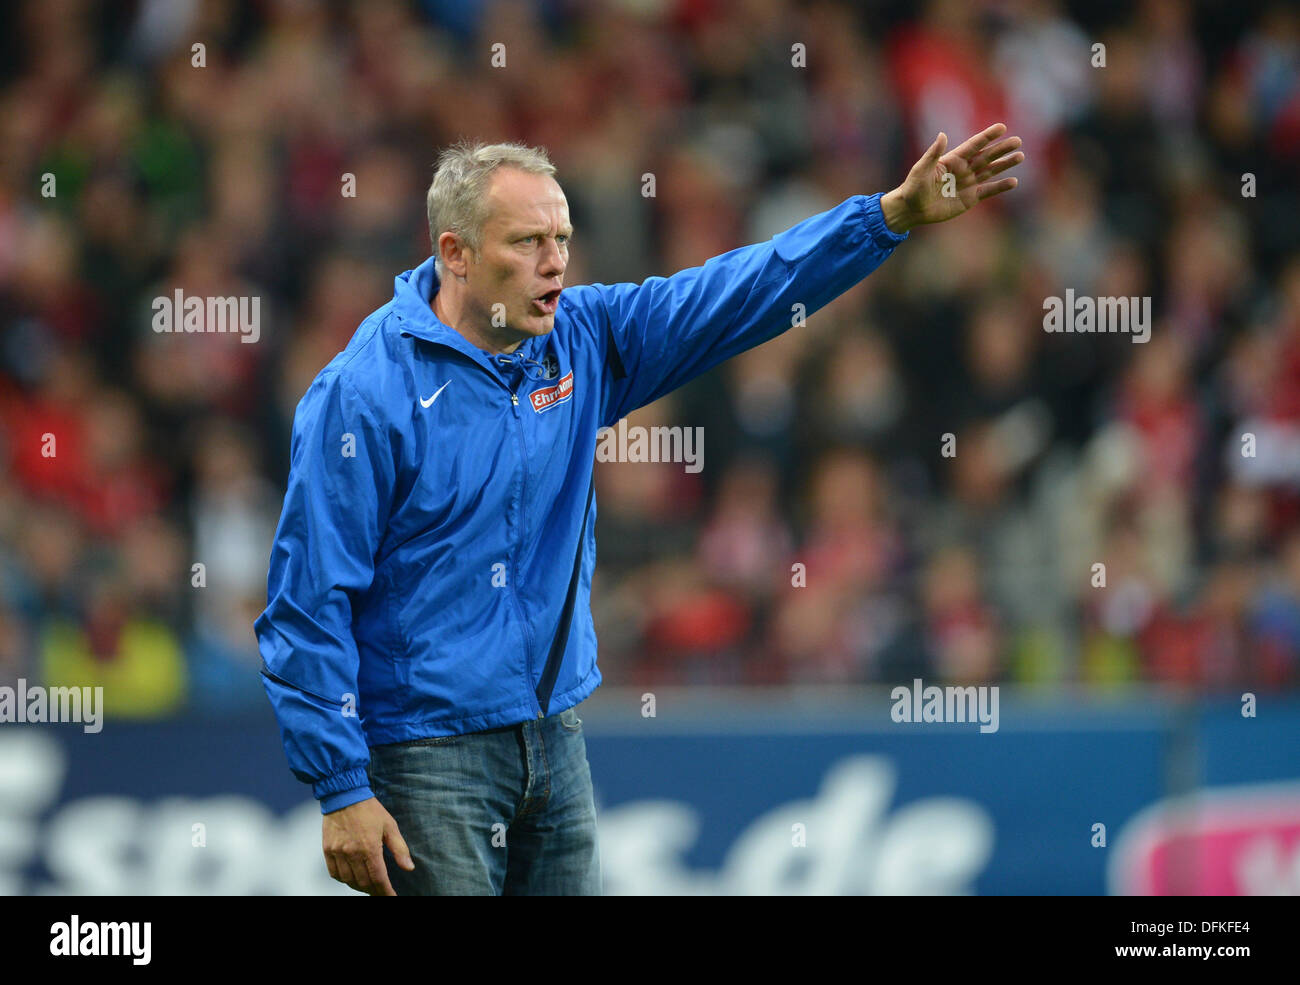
920, 482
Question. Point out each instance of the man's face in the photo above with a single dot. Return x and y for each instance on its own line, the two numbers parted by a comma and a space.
525, 250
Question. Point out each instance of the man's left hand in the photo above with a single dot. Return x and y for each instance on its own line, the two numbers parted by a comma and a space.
942, 185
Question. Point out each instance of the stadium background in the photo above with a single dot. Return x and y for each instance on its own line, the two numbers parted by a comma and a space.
822, 447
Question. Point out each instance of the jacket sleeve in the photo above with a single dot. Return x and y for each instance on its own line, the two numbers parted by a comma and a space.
668, 330
336, 506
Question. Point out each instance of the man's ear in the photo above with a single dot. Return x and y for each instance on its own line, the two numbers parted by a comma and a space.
455, 258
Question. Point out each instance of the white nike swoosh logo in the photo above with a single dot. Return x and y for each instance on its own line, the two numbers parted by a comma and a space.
429, 402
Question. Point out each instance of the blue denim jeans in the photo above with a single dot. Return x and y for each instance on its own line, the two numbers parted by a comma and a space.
508, 811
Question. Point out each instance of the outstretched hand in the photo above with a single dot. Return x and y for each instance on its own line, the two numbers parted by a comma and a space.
941, 186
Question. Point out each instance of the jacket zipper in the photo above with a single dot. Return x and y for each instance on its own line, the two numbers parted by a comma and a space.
514, 591
514, 581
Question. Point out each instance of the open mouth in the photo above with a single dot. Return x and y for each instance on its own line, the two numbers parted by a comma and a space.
548, 302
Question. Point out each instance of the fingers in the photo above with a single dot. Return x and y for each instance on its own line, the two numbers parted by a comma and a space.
343, 872
397, 845
996, 188
935, 150
976, 143
924, 168
364, 873
997, 167
377, 876
994, 151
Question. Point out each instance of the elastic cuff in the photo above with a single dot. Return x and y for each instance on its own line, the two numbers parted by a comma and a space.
337, 801
341, 781
881, 233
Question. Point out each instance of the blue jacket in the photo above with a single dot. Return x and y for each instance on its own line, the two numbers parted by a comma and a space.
439, 498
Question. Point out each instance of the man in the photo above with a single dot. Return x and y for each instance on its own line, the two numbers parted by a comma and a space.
428, 631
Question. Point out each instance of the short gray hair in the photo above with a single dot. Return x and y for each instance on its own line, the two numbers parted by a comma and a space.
457, 198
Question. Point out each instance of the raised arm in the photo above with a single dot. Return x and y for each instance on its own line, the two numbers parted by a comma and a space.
668, 330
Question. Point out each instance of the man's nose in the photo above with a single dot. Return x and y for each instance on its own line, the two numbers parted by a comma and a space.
553, 261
